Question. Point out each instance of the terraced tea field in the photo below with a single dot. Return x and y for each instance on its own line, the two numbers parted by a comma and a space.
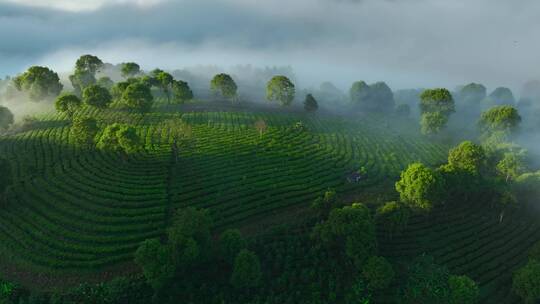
72, 211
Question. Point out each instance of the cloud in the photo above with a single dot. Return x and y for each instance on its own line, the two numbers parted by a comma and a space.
408, 43
80, 5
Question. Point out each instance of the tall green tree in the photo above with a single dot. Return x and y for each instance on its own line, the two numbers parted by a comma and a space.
165, 82
6, 118
471, 95
280, 89
130, 69
420, 187
526, 282
84, 75
181, 91
231, 243
433, 122
119, 138
68, 103
155, 261
138, 96
105, 82
437, 100
426, 282
500, 118
223, 85
378, 273
96, 96
310, 104
359, 94
351, 229
247, 272
393, 216
501, 96
39, 82
463, 290
469, 157
84, 130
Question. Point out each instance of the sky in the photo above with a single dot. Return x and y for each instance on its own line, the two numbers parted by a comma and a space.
407, 43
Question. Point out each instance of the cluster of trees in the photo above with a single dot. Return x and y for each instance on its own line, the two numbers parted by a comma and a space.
190, 251
377, 97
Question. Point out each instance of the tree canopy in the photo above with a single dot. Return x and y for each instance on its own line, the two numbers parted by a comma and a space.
96, 96
437, 100
467, 156
246, 271
378, 273
420, 187
181, 91
432, 123
138, 96
6, 118
310, 104
472, 94
377, 97
84, 75
526, 282
130, 69
223, 85
500, 118
280, 89
231, 243
84, 130
119, 138
67, 103
501, 96
393, 216
39, 82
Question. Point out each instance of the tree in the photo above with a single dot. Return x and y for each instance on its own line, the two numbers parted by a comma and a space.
280, 89
351, 229
463, 290
119, 138
154, 259
130, 69
231, 243
86, 68
323, 205
223, 85
501, 96
420, 187
105, 82
382, 97
39, 82
393, 216
427, 282
432, 123
119, 88
511, 166
84, 130
526, 282
6, 118
500, 118
189, 237
437, 100
96, 96
165, 81
310, 104
378, 273
138, 96
181, 91
360, 94
6, 177
246, 271
534, 252
403, 110
261, 126
468, 157
67, 103
472, 94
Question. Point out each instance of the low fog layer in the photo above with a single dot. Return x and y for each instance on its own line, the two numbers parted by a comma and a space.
407, 43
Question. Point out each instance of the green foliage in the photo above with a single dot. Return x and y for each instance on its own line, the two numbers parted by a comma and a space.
224, 85
527, 187
511, 166
310, 104
427, 282
359, 94
437, 101
403, 110
323, 205
181, 91
138, 96
246, 271
164, 81
119, 138
352, 230
6, 118
472, 94
67, 103
119, 88
130, 69
81, 80
358, 293
39, 82
468, 156
189, 237
526, 282
432, 122
378, 273
501, 96
154, 259
280, 89
500, 118
6, 176
420, 187
231, 243
88, 63
105, 82
393, 216
377, 97
84, 130
534, 252
463, 290
96, 96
